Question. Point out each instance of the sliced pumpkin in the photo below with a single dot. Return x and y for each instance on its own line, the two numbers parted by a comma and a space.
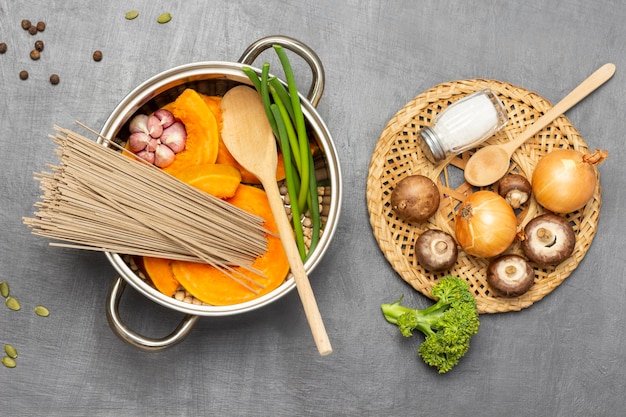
160, 272
202, 131
224, 157
213, 103
212, 286
219, 180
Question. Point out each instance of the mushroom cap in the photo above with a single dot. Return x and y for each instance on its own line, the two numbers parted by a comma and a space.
436, 250
548, 239
415, 198
510, 275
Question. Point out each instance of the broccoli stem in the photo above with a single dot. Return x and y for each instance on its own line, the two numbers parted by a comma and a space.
423, 320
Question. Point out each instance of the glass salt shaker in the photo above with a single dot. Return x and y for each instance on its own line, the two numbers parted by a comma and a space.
464, 125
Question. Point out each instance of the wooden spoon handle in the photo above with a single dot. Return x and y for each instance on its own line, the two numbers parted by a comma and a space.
297, 268
590, 84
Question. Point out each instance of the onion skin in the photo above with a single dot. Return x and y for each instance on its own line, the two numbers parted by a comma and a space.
485, 224
564, 180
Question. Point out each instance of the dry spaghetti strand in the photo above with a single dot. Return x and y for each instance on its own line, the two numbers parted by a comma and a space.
98, 199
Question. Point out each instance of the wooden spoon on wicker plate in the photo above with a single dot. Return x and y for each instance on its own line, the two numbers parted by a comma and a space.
247, 134
490, 163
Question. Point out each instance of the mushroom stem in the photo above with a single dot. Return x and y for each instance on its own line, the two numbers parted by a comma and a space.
516, 198
546, 237
441, 247
510, 270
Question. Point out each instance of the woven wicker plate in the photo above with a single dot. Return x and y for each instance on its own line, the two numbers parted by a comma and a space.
398, 154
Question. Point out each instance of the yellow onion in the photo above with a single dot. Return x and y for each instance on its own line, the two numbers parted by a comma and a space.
564, 180
485, 224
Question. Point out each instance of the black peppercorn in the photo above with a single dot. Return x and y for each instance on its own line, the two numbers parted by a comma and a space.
97, 56
41, 26
26, 24
3, 47
23, 75
32, 30
39, 45
54, 79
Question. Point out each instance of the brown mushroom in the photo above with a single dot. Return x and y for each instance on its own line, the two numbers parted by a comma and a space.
515, 189
548, 239
436, 250
415, 198
510, 275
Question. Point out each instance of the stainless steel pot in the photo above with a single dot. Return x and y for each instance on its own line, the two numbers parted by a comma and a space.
215, 78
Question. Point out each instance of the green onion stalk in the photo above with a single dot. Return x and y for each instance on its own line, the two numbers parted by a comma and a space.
284, 112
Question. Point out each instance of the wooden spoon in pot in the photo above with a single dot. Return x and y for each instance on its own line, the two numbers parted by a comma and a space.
490, 163
247, 134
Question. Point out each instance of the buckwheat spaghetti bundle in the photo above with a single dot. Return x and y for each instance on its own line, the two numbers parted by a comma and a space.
98, 199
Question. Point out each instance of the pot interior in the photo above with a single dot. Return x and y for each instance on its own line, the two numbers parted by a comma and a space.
216, 78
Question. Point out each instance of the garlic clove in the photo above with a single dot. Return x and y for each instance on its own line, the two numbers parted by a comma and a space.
175, 137
166, 118
146, 156
154, 127
163, 156
152, 144
139, 123
138, 141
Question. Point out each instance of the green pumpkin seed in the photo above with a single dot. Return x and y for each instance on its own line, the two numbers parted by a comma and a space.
8, 362
132, 14
4, 289
13, 304
164, 18
42, 311
11, 351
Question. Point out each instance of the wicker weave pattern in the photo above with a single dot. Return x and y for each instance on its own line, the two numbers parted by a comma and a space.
398, 154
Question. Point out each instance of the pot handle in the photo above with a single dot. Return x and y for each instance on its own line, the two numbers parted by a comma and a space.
132, 337
302, 50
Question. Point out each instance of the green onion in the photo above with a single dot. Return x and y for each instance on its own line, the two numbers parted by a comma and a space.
290, 179
284, 112
299, 122
314, 207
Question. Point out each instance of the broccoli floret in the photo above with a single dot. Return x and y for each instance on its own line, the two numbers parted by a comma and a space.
448, 324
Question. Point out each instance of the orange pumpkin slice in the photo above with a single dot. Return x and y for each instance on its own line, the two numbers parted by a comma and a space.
160, 272
212, 286
213, 103
219, 180
224, 157
202, 131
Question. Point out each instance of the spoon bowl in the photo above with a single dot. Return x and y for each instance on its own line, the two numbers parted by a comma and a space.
491, 163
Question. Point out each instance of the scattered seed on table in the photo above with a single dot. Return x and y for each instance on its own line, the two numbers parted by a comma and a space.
10, 351
8, 362
164, 18
54, 79
41, 26
132, 14
26, 24
97, 56
39, 45
35, 55
41, 311
4, 289
3, 47
32, 30
23, 75
13, 304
